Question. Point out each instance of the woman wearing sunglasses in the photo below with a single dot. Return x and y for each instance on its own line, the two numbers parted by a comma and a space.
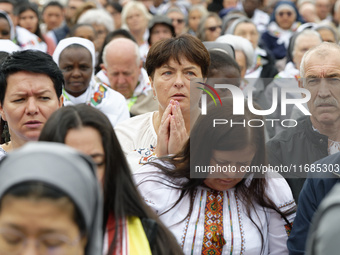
210, 27
284, 21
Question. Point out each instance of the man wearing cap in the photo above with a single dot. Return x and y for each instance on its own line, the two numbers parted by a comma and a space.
160, 27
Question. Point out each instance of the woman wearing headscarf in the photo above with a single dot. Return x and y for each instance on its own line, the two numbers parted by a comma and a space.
264, 63
62, 215
284, 21
76, 59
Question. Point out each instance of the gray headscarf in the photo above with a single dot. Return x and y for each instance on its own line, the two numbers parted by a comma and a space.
66, 169
236, 22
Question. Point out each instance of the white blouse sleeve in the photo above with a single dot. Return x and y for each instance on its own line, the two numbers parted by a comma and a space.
156, 190
278, 229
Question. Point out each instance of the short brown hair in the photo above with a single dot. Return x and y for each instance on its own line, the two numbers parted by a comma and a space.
185, 45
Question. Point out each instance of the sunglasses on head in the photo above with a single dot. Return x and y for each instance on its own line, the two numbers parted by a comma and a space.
287, 13
213, 29
179, 21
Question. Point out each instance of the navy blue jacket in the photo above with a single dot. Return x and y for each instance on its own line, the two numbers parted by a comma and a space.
315, 188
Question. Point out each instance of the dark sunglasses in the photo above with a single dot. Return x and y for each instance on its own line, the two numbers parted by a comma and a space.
179, 21
213, 29
287, 13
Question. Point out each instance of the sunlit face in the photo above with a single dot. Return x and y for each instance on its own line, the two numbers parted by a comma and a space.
172, 81
5, 29
302, 45
123, 72
324, 104
323, 8
327, 35
53, 17
50, 221
229, 159
86, 32
29, 20
29, 101
88, 141
194, 19
178, 21
213, 28
249, 32
241, 60
76, 65
285, 18
308, 12
136, 21
160, 32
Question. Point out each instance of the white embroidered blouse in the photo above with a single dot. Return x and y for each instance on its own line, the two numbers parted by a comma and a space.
221, 211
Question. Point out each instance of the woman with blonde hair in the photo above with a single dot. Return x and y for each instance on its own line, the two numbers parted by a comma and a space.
135, 18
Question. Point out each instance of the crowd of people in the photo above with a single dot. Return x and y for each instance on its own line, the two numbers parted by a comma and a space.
169, 127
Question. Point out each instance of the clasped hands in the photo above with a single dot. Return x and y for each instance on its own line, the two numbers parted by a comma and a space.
172, 134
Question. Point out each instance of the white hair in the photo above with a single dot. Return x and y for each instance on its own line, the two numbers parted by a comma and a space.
241, 44
131, 6
306, 33
97, 16
136, 51
323, 50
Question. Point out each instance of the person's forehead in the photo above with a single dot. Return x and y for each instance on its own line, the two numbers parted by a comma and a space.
7, 7
316, 62
75, 3
160, 26
53, 8
175, 14
23, 81
246, 26
81, 51
306, 39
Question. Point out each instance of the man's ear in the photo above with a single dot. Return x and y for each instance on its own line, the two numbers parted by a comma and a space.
102, 66
301, 85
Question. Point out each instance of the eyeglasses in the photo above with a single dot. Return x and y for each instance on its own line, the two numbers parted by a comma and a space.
13, 242
287, 13
213, 29
179, 21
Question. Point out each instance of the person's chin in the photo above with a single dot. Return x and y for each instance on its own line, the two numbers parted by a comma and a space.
327, 118
32, 135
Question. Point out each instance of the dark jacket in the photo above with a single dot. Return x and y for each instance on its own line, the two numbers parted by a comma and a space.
314, 190
296, 148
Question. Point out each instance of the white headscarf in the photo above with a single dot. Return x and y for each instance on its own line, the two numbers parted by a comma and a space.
8, 46
75, 40
10, 24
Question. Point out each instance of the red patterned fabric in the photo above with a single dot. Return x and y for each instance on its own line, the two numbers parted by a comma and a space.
213, 240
